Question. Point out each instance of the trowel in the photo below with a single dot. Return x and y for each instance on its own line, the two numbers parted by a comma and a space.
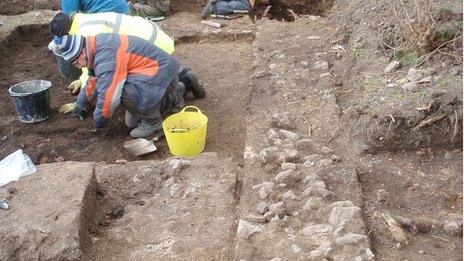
140, 146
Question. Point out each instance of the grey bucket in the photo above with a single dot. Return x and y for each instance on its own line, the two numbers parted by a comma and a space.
31, 100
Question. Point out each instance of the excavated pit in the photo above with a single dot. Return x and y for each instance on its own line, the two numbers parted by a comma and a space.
15, 7
64, 138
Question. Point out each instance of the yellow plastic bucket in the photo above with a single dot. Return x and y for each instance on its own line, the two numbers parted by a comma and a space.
185, 132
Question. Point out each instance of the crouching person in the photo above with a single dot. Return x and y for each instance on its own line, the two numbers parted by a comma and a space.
125, 70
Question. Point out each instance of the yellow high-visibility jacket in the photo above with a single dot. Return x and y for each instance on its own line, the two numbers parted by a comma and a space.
93, 24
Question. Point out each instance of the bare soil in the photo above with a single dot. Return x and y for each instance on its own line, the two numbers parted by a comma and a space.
63, 137
15, 7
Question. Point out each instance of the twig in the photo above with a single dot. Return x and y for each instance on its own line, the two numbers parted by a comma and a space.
444, 239
342, 119
384, 43
391, 122
310, 130
455, 131
427, 56
395, 229
425, 108
429, 121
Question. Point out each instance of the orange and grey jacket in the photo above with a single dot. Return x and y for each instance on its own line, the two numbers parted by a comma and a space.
117, 60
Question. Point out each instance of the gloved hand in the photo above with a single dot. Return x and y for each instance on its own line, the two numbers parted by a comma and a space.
80, 113
75, 87
67, 108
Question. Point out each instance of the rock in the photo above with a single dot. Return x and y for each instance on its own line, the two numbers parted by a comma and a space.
289, 231
343, 215
262, 207
350, 238
296, 249
452, 228
177, 165
269, 215
277, 208
437, 93
304, 63
290, 154
289, 135
175, 190
317, 183
283, 121
324, 249
335, 158
311, 177
289, 177
291, 207
423, 226
345, 203
382, 195
324, 163
276, 259
289, 195
317, 191
409, 87
121, 161
312, 160
169, 182
272, 136
271, 155
317, 229
304, 145
288, 166
421, 252
245, 229
321, 65
326, 150
414, 75
256, 218
391, 67
313, 37
405, 223
313, 203
265, 189
250, 154
425, 79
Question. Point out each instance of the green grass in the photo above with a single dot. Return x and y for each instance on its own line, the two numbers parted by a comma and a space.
408, 58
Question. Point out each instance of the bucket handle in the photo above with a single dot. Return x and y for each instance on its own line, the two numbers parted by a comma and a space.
191, 109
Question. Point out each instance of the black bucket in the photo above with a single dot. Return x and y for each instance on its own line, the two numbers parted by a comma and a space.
31, 100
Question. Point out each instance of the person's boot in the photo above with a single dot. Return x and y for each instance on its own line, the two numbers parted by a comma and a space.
145, 129
192, 83
132, 121
208, 9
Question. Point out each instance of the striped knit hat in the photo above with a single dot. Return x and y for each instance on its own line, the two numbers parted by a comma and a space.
70, 47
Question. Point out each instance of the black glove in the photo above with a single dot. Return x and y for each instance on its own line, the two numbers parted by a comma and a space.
78, 112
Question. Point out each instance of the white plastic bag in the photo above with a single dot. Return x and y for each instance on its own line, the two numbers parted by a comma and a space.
14, 166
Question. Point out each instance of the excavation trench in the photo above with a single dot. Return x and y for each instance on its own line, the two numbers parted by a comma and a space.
222, 63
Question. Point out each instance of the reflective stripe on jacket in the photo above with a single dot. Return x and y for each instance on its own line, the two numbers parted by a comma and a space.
93, 24
119, 59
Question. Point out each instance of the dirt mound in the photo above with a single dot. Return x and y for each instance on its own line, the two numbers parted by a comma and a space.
14, 7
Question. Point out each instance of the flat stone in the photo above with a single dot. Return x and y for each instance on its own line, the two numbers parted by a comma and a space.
271, 155
425, 79
391, 67
313, 203
321, 65
317, 183
49, 214
290, 195
289, 177
285, 134
272, 135
246, 229
277, 208
250, 154
262, 207
317, 191
317, 229
288, 166
343, 215
324, 249
326, 150
414, 75
350, 238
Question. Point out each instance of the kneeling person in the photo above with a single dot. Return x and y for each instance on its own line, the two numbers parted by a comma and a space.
125, 70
